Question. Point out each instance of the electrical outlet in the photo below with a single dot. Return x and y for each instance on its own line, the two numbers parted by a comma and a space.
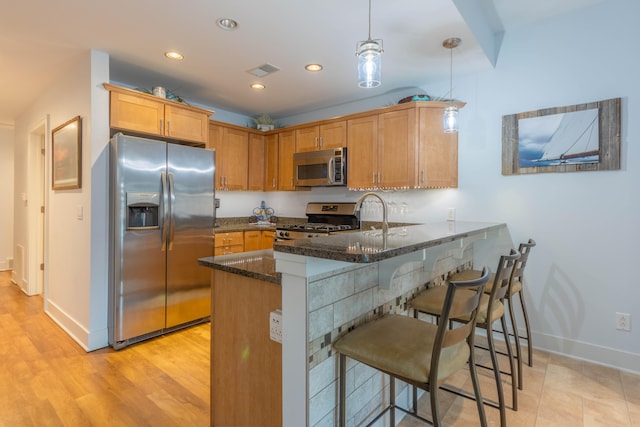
275, 326
451, 214
623, 321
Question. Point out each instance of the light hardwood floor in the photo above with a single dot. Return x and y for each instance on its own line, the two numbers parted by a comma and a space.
46, 379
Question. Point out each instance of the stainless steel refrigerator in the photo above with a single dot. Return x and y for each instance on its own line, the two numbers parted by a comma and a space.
161, 222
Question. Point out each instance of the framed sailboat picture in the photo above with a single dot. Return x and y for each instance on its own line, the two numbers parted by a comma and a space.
583, 137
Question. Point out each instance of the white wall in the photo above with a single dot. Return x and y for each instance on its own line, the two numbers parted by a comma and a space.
72, 289
583, 270
6, 189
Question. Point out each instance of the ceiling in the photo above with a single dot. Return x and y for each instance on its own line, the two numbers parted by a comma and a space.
39, 40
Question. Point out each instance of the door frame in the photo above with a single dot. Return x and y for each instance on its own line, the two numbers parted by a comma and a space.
37, 197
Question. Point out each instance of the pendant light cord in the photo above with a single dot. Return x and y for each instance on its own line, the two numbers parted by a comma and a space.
369, 19
451, 75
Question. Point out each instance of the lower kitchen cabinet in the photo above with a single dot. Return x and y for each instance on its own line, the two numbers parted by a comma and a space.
255, 240
252, 240
268, 237
229, 243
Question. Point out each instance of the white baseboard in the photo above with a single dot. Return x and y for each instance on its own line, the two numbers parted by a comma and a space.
625, 361
88, 340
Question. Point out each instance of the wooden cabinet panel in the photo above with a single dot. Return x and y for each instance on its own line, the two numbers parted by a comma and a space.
307, 139
232, 156
321, 137
397, 148
362, 152
286, 148
252, 240
271, 163
130, 112
256, 162
333, 135
246, 366
139, 112
228, 243
268, 237
185, 124
437, 152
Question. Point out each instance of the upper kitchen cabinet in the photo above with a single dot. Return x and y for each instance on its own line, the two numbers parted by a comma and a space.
256, 162
362, 146
232, 156
437, 151
322, 136
271, 163
381, 150
402, 146
142, 113
286, 148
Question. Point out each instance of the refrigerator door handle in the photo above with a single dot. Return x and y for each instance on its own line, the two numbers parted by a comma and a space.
172, 219
165, 207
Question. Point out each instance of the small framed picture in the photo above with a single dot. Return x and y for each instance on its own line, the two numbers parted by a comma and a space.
66, 155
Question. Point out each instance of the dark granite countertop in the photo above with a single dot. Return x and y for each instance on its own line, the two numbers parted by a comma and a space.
257, 264
230, 228
374, 245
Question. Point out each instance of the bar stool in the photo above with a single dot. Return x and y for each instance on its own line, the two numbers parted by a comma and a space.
515, 287
419, 353
491, 309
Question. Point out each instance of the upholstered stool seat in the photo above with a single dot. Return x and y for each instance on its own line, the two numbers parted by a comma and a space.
430, 301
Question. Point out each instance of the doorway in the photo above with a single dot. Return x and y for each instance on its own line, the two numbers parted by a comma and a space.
34, 283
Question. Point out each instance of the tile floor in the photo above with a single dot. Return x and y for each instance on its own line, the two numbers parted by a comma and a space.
558, 391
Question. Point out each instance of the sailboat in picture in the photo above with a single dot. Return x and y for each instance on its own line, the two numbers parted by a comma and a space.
575, 140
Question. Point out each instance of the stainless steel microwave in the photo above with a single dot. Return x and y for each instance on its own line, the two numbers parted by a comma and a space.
323, 168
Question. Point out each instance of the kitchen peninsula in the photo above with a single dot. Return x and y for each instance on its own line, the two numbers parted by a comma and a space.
330, 284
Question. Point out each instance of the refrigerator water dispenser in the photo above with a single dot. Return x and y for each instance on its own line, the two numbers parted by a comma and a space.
142, 210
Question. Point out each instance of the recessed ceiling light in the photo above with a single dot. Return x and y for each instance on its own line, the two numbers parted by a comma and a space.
257, 86
172, 54
227, 24
313, 67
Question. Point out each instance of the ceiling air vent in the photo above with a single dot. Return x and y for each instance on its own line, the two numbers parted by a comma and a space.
263, 70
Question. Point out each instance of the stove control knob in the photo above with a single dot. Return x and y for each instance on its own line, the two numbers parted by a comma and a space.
286, 234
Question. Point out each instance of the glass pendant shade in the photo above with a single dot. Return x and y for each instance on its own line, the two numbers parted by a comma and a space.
451, 119
369, 64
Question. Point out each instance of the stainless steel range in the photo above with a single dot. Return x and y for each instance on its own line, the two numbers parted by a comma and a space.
324, 219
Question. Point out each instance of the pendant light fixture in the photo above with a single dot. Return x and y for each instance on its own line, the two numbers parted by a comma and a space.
451, 112
368, 53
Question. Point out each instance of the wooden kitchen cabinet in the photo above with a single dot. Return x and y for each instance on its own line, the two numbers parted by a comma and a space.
138, 112
232, 156
271, 163
397, 149
228, 243
321, 137
257, 162
286, 148
403, 147
255, 240
437, 151
362, 145
252, 240
383, 147
268, 237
